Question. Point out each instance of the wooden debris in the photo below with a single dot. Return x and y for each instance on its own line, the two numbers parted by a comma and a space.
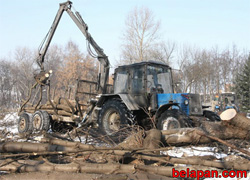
77, 167
235, 119
141, 152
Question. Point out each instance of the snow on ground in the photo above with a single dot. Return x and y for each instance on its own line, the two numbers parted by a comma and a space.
194, 151
8, 129
9, 124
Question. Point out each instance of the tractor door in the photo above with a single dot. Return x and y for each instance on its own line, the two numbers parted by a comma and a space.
159, 79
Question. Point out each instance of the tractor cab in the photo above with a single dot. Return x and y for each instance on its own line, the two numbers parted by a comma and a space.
143, 81
144, 77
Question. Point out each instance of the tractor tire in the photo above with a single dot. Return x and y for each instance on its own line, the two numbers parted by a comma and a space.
212, 116
41, 121
172, 119
25, 124
114, 118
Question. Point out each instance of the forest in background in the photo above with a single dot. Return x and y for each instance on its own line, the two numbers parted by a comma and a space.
195, 70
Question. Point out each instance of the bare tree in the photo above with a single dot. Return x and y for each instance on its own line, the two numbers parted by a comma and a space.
75, 65
162, 52
190, 72
209, 71
142, 40
23, 70
7, 93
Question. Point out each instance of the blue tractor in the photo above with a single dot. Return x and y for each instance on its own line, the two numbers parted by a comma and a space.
143, 95
226, 101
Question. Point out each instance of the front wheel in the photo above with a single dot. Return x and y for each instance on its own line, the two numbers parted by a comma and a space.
114, 116
172, 119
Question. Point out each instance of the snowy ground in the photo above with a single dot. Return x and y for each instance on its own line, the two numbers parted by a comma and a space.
9, 122
8, 126
195, 151
8, 130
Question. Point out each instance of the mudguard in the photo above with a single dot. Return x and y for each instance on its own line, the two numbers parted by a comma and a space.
163, 108
126, 99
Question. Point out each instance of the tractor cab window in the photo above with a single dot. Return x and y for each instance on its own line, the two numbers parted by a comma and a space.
229, 98
137, 80
121, 82
159, 79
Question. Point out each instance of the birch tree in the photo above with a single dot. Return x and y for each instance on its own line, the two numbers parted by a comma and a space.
142, 39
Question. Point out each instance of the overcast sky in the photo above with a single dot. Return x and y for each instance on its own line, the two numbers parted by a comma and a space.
203, 23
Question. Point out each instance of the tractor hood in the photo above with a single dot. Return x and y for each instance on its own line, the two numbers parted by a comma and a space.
189, 103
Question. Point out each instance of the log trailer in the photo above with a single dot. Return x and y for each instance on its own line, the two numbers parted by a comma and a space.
142, 94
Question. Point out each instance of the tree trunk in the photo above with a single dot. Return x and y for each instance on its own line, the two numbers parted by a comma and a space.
193, 135
91, 168
20, 147
236, 119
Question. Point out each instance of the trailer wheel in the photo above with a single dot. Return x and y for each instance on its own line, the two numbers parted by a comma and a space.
25, 123
41, 120
113, 117
172, 119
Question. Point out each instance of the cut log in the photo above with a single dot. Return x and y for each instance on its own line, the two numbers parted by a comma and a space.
54, 145
228, 114
82, 176
184, 136
76, 145
50, 111
63, 107
65, 102
58, 107
224, 130
60, 112
20, 147
193, 135
92, 168
235, 119
29, 110
197, 161
65, 118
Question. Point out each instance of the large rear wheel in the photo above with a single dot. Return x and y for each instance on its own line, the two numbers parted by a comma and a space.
114, 118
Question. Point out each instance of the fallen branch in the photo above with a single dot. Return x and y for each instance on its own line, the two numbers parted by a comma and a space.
184, 136
225, 143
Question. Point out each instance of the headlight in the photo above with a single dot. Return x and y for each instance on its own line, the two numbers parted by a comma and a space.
186, 102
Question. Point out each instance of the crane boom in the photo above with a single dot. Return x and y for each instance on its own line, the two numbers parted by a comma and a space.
76, 17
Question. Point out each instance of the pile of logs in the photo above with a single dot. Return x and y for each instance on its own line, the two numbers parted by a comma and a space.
62, 105
59, 109
85, 158
133, 155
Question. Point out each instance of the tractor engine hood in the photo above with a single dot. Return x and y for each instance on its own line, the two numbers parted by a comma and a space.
189, 103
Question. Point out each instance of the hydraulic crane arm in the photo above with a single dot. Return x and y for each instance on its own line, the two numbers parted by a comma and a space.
76, 17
